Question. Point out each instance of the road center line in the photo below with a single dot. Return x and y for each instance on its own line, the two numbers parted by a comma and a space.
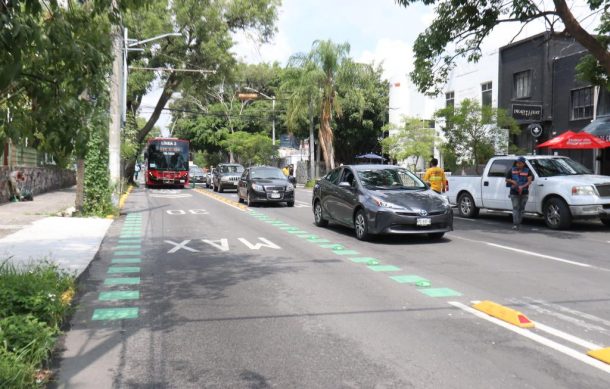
536, 338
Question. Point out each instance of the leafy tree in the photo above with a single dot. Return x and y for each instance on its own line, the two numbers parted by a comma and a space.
474, 131
252, 149
415, 139
464, 24
365, 101
206, 44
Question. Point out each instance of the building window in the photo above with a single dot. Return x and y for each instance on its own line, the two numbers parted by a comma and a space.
450, 99
522, 84
582, 103
486, 94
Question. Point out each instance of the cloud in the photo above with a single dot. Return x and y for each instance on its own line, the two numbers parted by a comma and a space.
396, 55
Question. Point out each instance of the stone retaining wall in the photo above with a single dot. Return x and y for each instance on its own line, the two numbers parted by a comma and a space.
39, 179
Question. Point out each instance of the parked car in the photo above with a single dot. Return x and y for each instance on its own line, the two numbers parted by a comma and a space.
226, 176
265, 184
196, 175
380, 199
208, 179
562, 190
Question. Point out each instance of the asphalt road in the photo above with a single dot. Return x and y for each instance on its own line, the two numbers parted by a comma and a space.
231, 297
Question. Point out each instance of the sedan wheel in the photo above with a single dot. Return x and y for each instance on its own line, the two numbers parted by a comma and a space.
249, 201
361, 225
318, 216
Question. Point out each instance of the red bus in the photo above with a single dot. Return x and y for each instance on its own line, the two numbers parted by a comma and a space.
167, 162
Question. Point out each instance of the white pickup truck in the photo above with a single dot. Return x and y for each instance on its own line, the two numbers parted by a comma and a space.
562, 190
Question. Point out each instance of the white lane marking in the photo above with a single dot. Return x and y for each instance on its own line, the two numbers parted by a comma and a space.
532, 253
572, 311
221, 244
538, 255
536, 338
465, 219
257, 246
182, 245
563, 335
569, 319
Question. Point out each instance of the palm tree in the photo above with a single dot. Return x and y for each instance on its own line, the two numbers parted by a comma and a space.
303, 95
322, 67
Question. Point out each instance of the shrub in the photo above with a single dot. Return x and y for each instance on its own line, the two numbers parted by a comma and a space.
35, 290
27, 337
310, 184
14, 372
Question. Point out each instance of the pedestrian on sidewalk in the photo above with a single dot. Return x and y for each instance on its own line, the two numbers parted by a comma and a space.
435, 177
519, 178
137, 169
13, 185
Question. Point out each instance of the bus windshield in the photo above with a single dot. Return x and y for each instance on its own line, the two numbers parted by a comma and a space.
168, 154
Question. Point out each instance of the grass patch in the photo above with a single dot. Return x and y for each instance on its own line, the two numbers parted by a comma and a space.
310, 184
34, 301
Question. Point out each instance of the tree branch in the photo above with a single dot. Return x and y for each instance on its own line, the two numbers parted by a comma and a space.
170, 86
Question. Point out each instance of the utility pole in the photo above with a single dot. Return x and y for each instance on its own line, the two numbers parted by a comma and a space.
114, 133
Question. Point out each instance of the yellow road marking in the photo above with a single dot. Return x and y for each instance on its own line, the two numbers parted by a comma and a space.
215, 196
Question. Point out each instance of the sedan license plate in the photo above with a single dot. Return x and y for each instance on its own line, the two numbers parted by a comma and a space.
274, 195
424, 221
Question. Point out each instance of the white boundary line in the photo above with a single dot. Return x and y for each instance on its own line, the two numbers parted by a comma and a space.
536, 338
532, 253
539, 255
570, 338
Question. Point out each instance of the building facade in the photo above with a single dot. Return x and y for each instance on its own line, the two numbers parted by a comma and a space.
537, 84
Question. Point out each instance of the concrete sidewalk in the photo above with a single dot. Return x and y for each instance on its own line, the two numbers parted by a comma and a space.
31, 231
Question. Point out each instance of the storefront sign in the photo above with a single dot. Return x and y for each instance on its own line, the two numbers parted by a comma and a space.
527, 112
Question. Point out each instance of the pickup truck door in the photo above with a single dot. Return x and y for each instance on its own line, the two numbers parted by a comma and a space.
494, 193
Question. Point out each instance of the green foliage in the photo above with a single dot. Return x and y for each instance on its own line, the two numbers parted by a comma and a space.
97, 196
415, 139
15, 372
253, 149
459, 28
31, 311
365, 101
35, 290
474, 132
310, 184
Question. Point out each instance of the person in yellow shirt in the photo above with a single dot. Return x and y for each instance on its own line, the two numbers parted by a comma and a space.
286, 171
435, 177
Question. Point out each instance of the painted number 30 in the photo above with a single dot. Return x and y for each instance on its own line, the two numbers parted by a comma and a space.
188, 211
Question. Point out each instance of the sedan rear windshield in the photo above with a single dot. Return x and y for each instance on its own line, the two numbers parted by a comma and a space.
231, 169
258, 174
550, 167
390, 179
196, 170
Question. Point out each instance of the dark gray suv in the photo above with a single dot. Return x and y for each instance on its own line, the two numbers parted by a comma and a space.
380, 199
226, 176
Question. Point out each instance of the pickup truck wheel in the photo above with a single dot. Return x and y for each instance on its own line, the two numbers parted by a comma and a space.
466, 206
606, 221
557, 214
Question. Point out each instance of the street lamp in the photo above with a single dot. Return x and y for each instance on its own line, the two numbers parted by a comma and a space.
272, 110
129, 45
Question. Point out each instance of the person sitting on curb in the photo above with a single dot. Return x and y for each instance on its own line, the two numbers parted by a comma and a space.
13, 186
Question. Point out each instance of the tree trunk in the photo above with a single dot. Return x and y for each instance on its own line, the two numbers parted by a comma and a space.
599, 51
312, 163
169, 88
326, 136
318, 153
80, 184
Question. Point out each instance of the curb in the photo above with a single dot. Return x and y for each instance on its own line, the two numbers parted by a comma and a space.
509, 315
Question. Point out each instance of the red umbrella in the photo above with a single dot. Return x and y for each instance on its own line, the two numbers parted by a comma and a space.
575, 140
